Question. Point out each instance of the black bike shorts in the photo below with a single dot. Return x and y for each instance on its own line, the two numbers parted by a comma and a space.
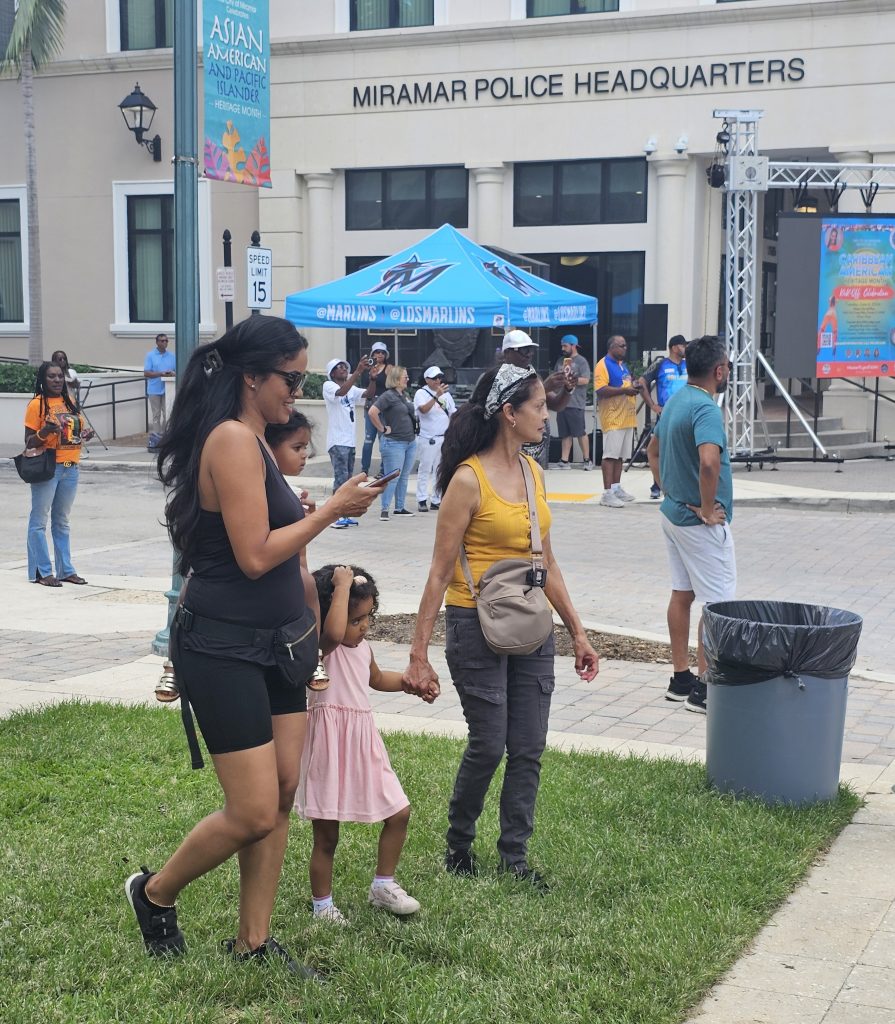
234, 701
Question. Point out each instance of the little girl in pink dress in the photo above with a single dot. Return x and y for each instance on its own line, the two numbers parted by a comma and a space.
345, 770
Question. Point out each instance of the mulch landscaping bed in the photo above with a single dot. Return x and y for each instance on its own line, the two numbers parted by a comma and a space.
399, 629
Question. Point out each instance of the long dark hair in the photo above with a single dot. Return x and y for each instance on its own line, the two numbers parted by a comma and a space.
468, 432
209, 393
40, 389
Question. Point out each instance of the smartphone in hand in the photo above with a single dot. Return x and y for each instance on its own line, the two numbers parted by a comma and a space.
381, 481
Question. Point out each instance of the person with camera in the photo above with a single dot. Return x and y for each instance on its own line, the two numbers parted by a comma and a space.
378, 364
505, 697
340, 396
434, 406
53, 420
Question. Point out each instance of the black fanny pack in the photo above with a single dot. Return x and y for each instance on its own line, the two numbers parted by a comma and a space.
291, 647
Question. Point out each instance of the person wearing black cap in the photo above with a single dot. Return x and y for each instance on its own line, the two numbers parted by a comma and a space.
669, 375
570, 420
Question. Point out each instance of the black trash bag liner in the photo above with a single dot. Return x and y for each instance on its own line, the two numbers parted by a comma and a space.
753, 641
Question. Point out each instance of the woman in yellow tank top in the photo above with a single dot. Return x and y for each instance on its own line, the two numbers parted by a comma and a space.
506, 699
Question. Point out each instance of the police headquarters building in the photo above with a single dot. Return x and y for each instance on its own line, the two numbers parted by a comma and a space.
576, 133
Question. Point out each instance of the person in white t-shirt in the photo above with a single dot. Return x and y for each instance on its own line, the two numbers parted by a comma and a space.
434, 407
341, 396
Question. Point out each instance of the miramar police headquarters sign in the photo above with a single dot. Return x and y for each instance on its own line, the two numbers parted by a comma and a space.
656, 79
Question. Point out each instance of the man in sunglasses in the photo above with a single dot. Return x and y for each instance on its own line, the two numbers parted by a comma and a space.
341, 395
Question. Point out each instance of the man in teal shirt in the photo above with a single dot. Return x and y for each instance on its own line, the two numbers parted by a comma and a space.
688, 456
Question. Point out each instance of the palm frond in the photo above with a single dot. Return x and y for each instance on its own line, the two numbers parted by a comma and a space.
39, 25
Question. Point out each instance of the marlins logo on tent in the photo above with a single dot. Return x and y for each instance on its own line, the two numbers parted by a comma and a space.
410, 276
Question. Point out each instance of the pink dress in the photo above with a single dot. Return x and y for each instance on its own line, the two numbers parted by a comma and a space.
345, 771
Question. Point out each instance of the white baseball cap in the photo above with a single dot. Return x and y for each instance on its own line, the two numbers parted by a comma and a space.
379, 346
517, 339
333, 363
433, 371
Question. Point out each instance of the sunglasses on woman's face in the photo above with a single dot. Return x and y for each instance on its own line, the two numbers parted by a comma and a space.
294, 380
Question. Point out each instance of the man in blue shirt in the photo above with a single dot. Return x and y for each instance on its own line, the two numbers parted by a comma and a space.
160, 363
669, 375
688, 455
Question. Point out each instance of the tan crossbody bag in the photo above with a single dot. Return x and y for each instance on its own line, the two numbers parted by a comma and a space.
513, 609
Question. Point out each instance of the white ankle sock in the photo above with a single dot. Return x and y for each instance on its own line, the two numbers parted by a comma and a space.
322, 904
380, 880
615, 487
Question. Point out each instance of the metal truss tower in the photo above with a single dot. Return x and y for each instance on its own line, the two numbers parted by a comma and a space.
746, 175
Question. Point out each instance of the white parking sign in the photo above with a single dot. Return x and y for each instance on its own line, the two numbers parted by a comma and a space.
259, 266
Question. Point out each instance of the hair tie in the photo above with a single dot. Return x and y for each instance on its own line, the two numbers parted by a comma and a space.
360, 580
212, 363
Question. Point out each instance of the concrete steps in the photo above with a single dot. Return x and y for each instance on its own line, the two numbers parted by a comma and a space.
845, 444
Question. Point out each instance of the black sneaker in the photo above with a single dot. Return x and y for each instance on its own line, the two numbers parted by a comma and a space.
383, 516
272, 951
460, 862
696, 700
681, 690
403, 512
433, 507
655, 491
421, 506
523, 873
161, 935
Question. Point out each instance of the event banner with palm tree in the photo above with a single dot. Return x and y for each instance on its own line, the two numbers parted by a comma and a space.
236, 48
856, 298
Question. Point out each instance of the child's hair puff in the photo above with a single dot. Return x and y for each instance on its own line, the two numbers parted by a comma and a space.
323, 577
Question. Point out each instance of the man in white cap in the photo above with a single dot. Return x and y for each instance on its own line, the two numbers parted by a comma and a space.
518, 349
341, 396
375, 371
434, 407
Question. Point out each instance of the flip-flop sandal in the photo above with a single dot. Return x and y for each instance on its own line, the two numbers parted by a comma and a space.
47, 581
74, 578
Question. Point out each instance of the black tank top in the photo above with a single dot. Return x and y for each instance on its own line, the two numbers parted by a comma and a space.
219, 589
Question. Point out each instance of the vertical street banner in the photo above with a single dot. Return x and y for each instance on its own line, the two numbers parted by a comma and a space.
856, 297
236, 58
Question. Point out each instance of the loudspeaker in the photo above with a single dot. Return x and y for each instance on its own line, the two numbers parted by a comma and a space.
652, 320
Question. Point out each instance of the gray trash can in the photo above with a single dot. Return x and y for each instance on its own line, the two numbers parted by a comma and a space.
777, 688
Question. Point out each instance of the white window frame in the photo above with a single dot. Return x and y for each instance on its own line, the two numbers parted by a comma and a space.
121, 190
113, 29
20, 192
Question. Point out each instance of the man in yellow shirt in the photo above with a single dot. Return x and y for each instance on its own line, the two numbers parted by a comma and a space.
617, 396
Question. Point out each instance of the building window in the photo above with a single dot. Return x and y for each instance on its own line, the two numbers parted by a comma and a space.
372, 14
580, 192
146, 24
406, 197
150, 258
12, 291
559, 8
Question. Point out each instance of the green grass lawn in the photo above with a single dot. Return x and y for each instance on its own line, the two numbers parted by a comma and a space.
658, 884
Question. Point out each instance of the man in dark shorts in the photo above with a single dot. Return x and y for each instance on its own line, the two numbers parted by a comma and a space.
669, 375
570, 421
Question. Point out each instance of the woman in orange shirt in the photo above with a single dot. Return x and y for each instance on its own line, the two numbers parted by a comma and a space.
53, 420
505, 698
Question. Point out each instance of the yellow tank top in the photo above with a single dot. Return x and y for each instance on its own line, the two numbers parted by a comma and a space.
499, 529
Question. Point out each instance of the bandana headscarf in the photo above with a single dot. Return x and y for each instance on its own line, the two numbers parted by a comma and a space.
506, 382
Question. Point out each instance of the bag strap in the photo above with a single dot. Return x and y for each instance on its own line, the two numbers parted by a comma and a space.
534, 539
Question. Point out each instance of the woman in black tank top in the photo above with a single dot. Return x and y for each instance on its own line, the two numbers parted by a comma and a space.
239, 529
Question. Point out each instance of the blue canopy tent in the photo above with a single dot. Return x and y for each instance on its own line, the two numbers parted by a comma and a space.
442, 281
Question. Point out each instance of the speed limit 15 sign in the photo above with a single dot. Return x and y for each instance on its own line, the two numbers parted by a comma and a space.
259, 267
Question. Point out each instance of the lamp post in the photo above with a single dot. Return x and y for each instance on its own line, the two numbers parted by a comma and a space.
138, 110
186, 206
